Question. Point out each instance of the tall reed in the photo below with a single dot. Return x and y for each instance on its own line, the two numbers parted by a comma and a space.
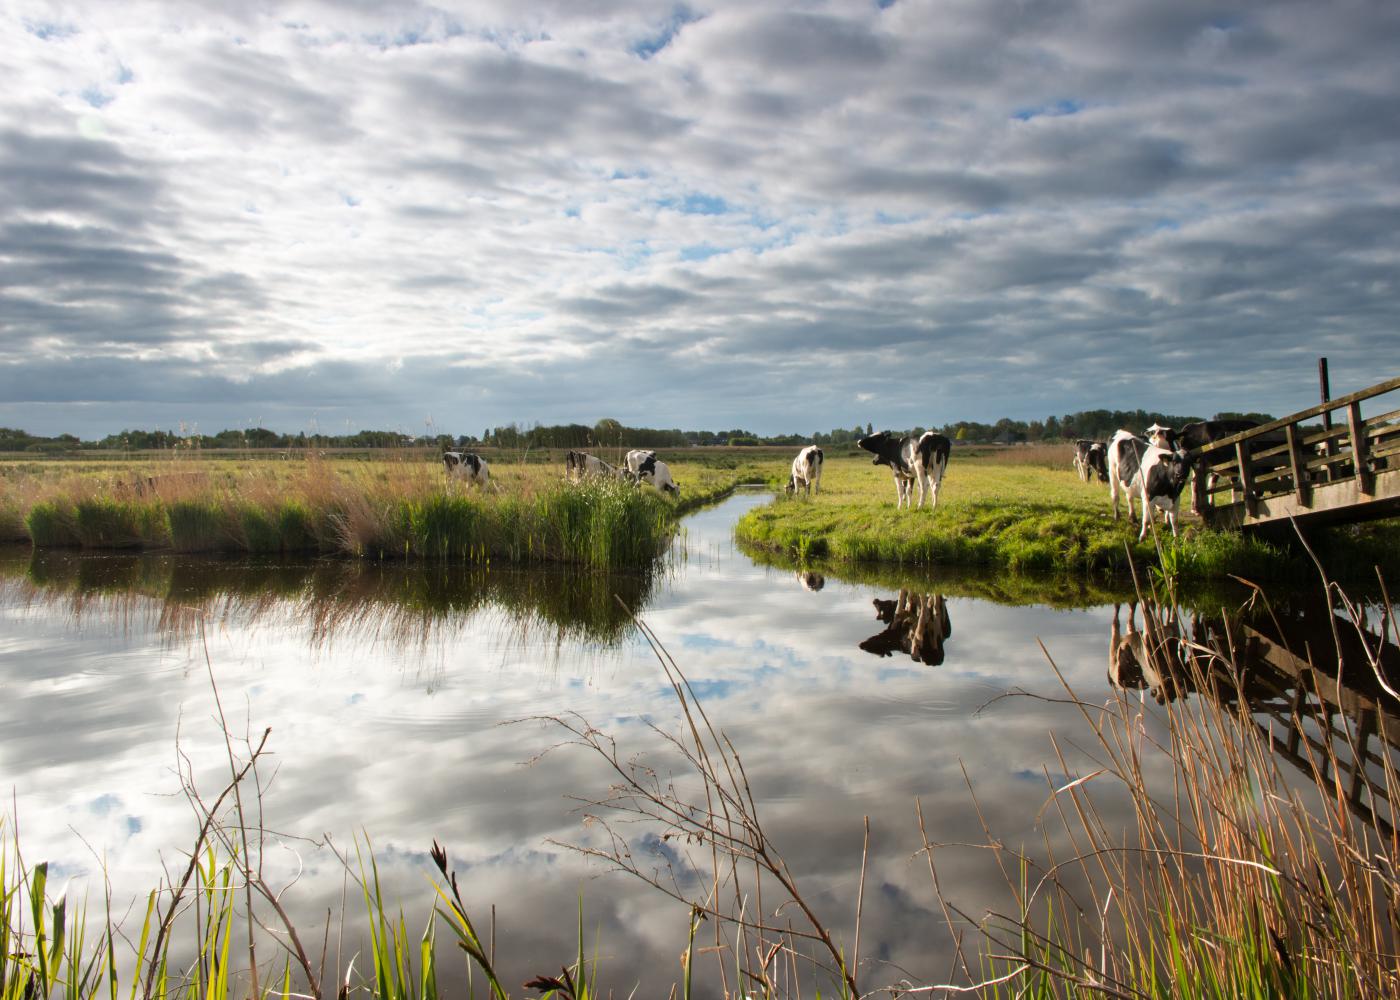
390, 511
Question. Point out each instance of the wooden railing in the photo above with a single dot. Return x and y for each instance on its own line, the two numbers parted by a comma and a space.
1281, 469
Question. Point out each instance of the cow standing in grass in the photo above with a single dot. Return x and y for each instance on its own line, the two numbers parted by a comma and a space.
464, 466
806, 471
1091, 456
639, 462
922, 460
1125, 453
580, 464
657, 473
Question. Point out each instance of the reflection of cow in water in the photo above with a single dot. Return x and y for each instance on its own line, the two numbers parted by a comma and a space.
916, 624
810, 581
1147, 658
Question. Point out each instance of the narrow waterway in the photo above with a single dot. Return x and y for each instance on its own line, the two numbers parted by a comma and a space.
393, 695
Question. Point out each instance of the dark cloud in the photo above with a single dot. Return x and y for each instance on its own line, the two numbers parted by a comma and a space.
45, 172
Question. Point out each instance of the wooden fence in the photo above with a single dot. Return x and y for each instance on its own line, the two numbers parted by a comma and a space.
1284, 469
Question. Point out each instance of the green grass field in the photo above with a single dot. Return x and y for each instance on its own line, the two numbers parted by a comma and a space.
1023, 509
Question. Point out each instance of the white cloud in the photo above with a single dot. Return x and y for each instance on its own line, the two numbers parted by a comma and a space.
733, 202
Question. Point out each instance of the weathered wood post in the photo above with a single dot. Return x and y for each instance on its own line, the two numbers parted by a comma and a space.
1328, 448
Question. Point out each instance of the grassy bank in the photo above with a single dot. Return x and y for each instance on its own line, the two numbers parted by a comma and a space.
394, 508
1020, 509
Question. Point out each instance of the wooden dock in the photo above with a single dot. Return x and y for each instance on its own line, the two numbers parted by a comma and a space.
1285, 470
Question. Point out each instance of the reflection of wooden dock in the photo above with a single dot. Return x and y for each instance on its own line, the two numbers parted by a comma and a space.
1278, 470
1293, 676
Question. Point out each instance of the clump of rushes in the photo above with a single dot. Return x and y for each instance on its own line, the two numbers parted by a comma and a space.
105, 523
53, 524
198, 526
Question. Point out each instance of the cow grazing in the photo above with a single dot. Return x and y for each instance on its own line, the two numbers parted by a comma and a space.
1091, 456
1160, 478
658, 474
579, 464
806, 471
922, 459
1125, 452
810, 581
639, 463
467, 467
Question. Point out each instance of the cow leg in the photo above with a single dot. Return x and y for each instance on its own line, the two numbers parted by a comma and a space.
1146, 513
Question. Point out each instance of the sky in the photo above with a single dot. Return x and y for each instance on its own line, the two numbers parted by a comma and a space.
787, 217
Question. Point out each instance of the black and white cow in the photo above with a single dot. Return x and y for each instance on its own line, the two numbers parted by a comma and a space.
658, 474
1091, 456
638, 463
806, 471
578, 464
1198, 434
922, 459
466, 467
1161, 476
1125, 453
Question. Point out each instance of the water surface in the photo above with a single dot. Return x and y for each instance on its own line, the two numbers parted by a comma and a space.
390, 692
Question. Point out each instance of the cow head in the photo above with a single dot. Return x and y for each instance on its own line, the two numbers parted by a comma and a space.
1178, 470
882, 444
1162, 437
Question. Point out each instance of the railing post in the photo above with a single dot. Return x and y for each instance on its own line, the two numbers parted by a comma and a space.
1358, 448
1246, 475
1201, 501
1329, 447
1299, 472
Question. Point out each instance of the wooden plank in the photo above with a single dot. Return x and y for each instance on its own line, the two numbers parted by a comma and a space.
1293, 463
1358, 448
1328, 503
1384, 418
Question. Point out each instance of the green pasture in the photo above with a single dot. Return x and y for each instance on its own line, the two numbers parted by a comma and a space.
1020, 509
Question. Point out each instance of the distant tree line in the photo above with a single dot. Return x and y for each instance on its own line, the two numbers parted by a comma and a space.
608, 433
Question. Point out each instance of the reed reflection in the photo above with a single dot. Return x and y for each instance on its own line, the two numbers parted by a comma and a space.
331, 598
1321, 683
915, 624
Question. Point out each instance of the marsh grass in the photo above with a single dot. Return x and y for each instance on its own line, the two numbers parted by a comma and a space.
1243, 875
397, 508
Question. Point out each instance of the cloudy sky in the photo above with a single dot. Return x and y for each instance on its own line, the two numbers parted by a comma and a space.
787, 217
